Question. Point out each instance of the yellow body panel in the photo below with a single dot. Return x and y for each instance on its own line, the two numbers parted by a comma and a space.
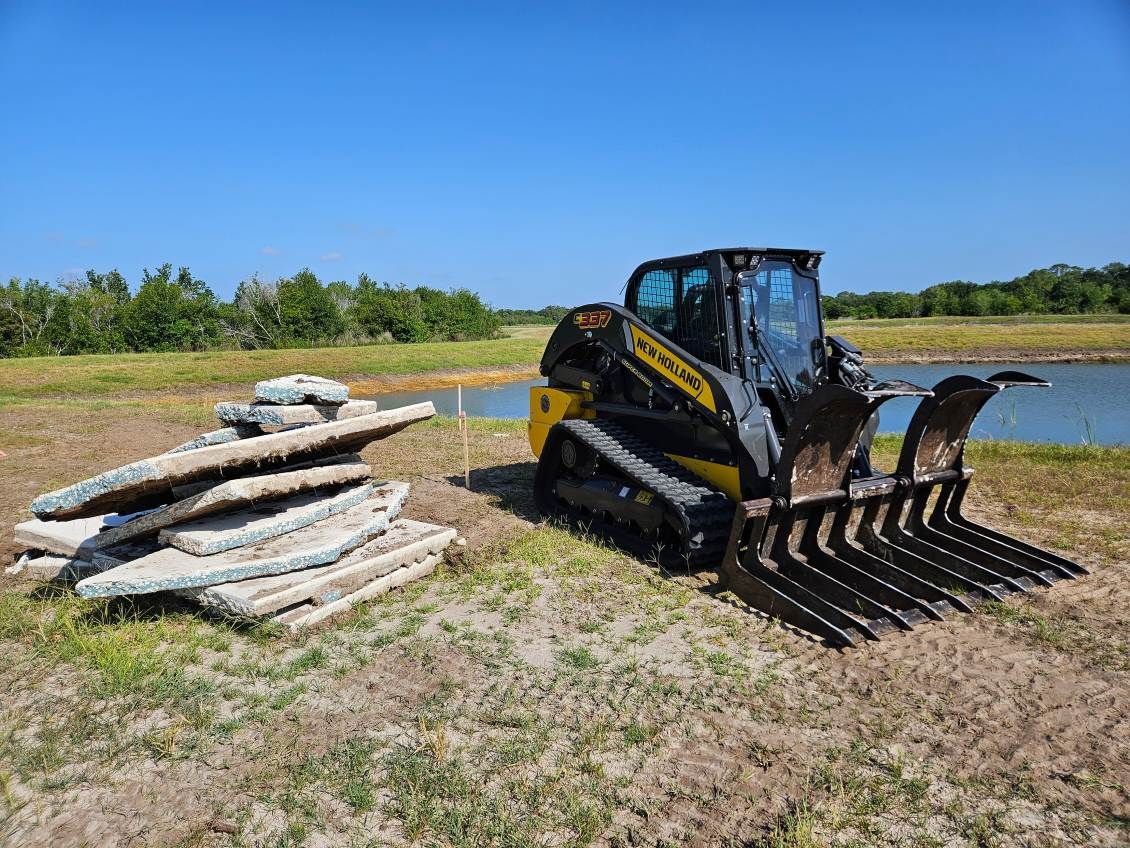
726, 478
659, 357
548, 406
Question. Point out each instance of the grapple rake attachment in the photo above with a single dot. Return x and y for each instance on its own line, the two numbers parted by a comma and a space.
848, 560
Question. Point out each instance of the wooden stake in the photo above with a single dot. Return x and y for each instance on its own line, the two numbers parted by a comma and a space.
466, 441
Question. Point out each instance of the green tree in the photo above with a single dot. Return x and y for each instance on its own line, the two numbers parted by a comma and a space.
307, 312
171, 313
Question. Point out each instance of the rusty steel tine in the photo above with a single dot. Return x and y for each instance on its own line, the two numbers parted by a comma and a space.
953, 513
918, 526
874, 586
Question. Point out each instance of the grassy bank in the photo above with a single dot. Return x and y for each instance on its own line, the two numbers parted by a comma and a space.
924, 340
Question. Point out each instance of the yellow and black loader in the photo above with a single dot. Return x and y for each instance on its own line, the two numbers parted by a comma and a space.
710, 420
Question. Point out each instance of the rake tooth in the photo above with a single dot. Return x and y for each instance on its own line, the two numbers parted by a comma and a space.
1062, 565
921, 529
852, 552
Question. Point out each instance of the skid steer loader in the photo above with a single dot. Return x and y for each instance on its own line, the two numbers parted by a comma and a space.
710, 420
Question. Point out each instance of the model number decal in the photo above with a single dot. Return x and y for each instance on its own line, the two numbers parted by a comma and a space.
595, 319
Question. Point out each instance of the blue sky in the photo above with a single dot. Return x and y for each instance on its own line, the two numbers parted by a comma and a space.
536, 152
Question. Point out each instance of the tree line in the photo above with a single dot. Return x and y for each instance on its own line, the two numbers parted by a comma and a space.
176, 311
1060, 289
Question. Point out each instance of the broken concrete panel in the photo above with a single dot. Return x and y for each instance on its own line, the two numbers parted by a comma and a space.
316, 544
307, 615
237, 493
265, 520
275, 415
220, 437
66, 538
78, 537
404, 543
50, 567
301, 388
152, 479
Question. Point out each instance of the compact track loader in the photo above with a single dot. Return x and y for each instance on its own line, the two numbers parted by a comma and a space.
710, 420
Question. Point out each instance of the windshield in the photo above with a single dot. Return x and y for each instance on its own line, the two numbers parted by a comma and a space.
785, 307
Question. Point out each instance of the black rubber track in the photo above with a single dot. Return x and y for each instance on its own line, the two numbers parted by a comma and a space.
704, 512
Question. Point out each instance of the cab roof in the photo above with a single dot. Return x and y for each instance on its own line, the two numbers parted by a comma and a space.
733, 257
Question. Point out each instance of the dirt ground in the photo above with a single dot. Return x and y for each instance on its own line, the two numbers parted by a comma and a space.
542, 689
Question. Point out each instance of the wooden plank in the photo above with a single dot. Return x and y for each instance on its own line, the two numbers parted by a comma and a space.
318, 544
237, 493
307, 615
264, 520
151, 479
305, 413
404, 543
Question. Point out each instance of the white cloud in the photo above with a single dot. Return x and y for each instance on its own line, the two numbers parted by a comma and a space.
332, 256
269, 250
87, 242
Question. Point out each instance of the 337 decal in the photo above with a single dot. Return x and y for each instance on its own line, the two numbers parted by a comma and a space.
592, 320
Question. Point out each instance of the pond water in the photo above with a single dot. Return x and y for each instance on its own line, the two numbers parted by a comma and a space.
1087, 401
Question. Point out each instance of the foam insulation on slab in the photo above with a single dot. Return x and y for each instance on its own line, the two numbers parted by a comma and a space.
155, 477
317, 544
274, 414
301, 388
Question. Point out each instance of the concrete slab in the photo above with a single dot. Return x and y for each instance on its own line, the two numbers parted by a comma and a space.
220, 437
233, 494
317, 544
78, 537
273, 414
307, 615
301, 388
149, 481
264, 520
50, 567
404, 543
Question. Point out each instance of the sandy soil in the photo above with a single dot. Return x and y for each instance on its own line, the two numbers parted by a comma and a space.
967, 732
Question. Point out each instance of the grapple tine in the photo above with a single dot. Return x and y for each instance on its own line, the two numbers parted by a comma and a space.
917, 525
793, 564
953, 513
748, 578
873, 586
886, 541
933, 456
940, 520
768, 562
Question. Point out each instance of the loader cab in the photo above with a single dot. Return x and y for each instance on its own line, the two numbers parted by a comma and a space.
752, 312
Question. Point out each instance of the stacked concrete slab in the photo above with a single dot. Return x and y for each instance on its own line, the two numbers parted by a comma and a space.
272, 515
